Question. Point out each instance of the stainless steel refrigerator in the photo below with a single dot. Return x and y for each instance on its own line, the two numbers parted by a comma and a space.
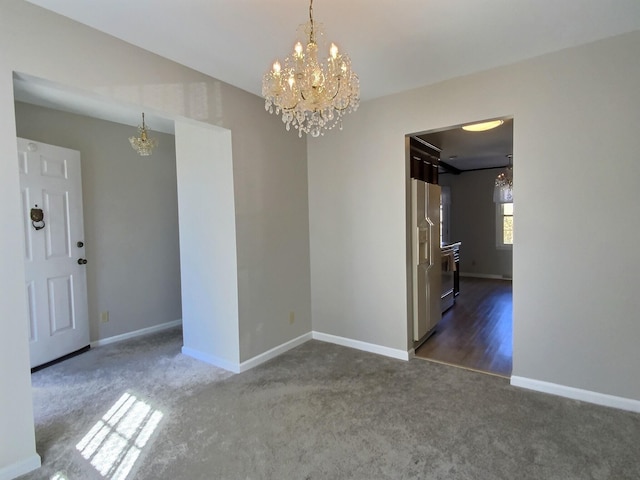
426, 263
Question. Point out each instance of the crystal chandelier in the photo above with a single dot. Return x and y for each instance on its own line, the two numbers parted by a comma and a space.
311, 95
143, 144
503, 189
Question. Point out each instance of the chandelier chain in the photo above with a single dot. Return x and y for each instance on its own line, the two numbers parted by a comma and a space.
312, 36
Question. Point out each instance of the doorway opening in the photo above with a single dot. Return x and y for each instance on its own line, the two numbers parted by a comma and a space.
475, 331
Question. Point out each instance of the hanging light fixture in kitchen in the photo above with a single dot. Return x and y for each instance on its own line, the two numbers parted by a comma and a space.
503, 188
312, 96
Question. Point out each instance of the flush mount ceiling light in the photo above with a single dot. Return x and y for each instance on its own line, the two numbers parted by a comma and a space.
481, 127
143, 144
313, 96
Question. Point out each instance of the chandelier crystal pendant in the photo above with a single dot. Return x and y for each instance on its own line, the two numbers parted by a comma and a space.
143, 144
503, 188
311, 95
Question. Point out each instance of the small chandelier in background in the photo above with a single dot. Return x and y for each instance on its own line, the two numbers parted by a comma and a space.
143, 144
311, 95
503, 189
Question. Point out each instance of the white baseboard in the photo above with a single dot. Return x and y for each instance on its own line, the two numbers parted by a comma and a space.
20, 468
136, 333
484, 275
212, 360
247, 364
364, 346
604, 399
274, 352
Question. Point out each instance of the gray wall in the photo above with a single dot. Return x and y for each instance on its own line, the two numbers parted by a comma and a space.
130, 218
574, 307
473, 222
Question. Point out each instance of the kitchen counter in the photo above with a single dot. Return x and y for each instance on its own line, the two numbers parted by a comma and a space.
447, 247
450, 259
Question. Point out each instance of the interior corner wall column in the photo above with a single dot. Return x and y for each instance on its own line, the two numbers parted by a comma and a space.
17, 441
208, 256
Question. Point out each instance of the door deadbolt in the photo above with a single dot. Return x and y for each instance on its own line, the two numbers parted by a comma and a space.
80, 244
82, 261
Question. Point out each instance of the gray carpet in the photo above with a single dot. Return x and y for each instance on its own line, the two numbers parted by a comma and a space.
319, 411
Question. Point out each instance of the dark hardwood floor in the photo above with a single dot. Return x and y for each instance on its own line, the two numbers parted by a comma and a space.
475, 333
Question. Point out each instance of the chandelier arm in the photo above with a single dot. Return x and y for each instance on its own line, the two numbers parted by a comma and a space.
332, 98
336, 94
345, 108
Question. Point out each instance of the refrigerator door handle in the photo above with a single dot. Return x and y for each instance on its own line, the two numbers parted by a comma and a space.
423, 252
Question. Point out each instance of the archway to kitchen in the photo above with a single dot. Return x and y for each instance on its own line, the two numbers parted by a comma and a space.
473, 289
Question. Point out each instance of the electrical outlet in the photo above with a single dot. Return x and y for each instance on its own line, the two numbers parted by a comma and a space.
292, 318
104, 317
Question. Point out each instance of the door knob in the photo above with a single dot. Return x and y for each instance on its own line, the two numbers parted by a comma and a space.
82, 261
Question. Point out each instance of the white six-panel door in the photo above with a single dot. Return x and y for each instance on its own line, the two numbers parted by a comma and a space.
54, 255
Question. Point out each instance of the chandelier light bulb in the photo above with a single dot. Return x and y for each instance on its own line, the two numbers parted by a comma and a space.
333, 51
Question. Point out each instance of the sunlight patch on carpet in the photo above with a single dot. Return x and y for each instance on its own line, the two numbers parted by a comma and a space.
115, 442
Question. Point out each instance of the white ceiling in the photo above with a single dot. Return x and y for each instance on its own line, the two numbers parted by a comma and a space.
394, 45
34, 90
